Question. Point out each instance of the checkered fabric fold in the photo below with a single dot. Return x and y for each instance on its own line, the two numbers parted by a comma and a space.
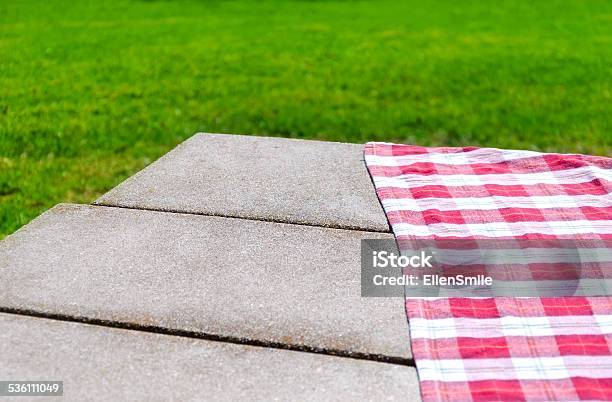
502, 348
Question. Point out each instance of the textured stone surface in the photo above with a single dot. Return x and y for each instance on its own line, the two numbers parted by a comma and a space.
100, 363
273, 179
291, 284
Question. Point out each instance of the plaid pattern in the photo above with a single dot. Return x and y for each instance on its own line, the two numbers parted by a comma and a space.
509, 348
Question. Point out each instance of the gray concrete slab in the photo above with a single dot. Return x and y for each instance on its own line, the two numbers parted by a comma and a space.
273, 179
100, 363
270, 282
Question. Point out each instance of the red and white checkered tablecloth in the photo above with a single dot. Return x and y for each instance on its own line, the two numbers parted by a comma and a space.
502, 348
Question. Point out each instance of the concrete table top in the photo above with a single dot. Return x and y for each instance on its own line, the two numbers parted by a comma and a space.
100, 363
267, 282
273, 179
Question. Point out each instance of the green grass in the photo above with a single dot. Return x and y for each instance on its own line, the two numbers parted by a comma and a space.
92, 91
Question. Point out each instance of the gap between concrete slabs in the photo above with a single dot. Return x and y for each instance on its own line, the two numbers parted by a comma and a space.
115, 364
270, 179
270, 283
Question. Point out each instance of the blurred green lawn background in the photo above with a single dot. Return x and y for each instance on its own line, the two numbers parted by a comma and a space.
92, 91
